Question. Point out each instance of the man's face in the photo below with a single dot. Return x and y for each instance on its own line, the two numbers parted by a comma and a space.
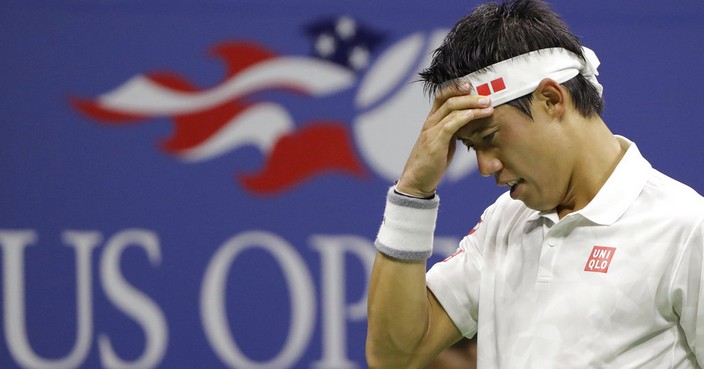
532, 157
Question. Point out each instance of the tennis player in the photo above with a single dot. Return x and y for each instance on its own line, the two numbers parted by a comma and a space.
590, 259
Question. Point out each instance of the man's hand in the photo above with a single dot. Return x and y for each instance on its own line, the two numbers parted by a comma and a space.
432, 153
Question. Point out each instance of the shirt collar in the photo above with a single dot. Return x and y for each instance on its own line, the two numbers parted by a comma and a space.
618, 193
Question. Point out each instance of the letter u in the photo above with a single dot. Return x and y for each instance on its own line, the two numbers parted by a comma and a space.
13, 243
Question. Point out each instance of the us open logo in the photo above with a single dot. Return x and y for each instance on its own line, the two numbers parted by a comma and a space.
279, 105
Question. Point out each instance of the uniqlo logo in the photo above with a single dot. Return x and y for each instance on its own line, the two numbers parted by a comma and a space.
600, 259
495, 86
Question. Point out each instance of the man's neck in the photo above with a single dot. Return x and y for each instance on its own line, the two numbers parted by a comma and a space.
598, 154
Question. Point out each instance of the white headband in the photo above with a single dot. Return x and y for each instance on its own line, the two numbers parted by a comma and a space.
519, 76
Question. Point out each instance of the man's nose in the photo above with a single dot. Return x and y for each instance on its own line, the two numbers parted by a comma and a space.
488, 163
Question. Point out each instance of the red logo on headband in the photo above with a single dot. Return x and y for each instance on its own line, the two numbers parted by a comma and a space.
496, 85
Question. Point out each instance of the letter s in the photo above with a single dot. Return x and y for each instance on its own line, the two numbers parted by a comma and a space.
134, 303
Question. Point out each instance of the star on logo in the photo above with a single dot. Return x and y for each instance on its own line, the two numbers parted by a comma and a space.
344, 41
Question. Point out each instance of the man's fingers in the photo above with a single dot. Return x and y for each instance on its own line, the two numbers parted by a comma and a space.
452, 89
457, 119
454, 99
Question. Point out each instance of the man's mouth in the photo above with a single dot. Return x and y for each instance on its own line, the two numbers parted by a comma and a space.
514, 183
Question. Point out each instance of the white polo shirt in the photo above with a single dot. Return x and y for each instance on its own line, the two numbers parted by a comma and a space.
617, 284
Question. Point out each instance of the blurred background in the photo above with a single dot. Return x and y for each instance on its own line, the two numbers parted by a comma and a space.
198, 184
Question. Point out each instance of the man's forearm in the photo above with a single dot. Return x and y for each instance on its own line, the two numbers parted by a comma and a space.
398, 312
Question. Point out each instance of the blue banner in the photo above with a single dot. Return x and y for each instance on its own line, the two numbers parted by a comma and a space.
198, 184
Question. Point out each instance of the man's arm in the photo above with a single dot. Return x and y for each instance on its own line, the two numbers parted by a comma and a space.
407, 326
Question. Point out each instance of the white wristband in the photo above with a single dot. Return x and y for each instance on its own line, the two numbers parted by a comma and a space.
408, 227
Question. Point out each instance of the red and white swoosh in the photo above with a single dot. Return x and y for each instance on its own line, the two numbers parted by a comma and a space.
211, 122
143, 96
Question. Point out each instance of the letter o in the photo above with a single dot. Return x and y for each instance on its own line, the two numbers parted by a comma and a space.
300, 286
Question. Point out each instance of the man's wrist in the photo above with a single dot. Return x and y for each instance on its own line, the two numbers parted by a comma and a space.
408, 228
401, 190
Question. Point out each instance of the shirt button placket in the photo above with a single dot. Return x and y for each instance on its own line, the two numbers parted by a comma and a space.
547, 260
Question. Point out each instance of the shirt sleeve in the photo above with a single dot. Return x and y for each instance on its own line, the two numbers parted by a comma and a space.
688, 292
455, 281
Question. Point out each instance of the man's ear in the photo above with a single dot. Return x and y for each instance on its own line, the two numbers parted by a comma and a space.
551, 97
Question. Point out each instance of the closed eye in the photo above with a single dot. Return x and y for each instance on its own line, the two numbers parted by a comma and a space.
466, 143
488, 138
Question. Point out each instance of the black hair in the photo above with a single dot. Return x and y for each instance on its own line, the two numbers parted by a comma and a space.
495, 32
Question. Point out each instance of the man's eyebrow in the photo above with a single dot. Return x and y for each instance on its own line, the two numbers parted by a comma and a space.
477, 129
